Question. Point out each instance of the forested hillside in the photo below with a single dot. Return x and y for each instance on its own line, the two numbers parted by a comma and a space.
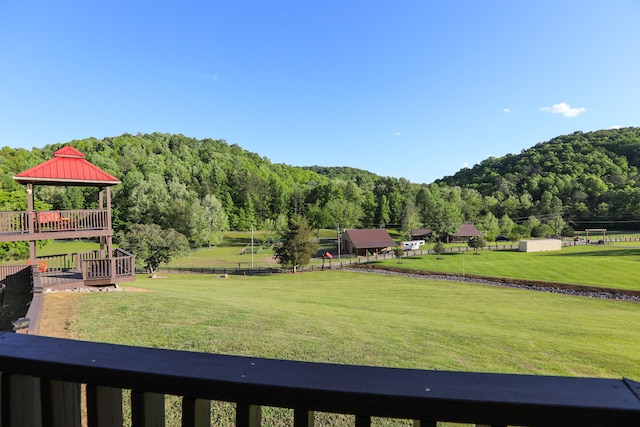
587, 177
202, 188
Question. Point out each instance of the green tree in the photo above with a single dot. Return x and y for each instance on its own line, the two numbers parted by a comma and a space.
557, 224
215, 219
446, 219
399, 252
152, 245
442, 215
382, 217
410, 220
519, 231
532, 223
506, 225
438, 248
489, 225
296, 245
476, 242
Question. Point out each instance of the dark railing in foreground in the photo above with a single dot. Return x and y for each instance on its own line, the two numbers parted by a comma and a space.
41, 386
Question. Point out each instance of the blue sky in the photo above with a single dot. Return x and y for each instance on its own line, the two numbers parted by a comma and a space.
412, 89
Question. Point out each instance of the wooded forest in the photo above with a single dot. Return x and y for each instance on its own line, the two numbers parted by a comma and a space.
202, 188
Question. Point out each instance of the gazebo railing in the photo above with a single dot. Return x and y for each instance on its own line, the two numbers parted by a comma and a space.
42, 377
54, 221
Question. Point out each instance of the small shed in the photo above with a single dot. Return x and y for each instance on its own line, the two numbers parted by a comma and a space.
421, 234
465, 232
539, 245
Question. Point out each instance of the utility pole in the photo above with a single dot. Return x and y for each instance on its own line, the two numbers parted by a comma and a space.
252, 247
338, 230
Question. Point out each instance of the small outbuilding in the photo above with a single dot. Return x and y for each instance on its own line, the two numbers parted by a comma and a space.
539, 245
367, 241
466, 232
421, 234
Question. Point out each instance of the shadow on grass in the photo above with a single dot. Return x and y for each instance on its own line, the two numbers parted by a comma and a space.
600, 252
235, 241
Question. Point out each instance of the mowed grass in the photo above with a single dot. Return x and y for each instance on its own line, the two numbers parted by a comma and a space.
229, 252
606, 266
369, 319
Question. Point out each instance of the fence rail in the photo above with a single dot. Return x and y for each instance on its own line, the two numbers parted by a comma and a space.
42, 377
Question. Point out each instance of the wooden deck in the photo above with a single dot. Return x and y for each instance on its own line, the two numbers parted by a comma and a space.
62, 280
75, 270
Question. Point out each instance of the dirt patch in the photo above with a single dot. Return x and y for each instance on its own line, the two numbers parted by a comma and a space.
59, 314
60, 307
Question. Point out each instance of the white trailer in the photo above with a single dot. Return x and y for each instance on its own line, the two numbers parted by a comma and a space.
412, 245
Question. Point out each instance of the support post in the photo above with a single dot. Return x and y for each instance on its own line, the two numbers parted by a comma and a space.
147, 409
31, 223
104, 406
248, 415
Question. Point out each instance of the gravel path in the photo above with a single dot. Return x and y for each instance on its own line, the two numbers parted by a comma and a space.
556, 290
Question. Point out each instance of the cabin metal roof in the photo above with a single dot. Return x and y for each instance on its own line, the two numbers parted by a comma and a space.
369, 238
68, 166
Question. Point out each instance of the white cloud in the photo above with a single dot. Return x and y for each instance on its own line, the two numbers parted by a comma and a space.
213, 77
397, 133
465, 165
506, 110
616, 127
564, 109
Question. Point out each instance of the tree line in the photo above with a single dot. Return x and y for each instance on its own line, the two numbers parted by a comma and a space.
202, 188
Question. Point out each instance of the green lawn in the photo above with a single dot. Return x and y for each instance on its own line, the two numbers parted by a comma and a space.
367, 319
229, 252
606, 266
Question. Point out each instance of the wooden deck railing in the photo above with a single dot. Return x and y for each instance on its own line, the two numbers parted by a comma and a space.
41, 386
121, 265
18, 222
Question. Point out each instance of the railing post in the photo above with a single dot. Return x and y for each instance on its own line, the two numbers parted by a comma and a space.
363, 421
303, 418
196, 412
61, 403
20, 401
248, 415
84, 269
104, 406
147, 409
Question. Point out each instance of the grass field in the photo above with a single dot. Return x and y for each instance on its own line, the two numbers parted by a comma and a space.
360, 318
606, 266
368, 319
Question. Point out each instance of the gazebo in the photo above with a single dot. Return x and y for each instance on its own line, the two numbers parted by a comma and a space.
68, 167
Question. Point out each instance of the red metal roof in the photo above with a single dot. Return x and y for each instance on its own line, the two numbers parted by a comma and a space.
68, 166
369, 238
